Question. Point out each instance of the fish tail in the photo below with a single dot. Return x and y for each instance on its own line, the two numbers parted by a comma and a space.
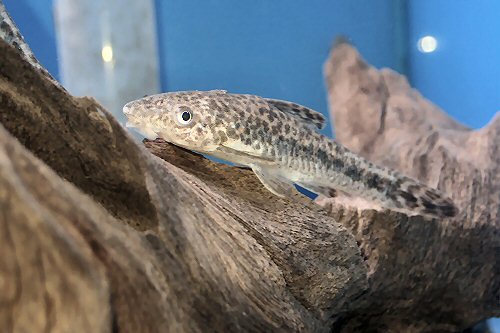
420, 198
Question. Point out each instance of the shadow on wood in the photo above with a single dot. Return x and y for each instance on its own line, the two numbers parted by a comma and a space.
425, 276
160, 249
99, 235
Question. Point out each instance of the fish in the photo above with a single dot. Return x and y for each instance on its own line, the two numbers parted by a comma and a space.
282, 144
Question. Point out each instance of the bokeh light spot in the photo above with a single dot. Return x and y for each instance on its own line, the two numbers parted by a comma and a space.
427, 44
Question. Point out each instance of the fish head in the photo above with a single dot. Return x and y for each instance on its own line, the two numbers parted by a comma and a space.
192, 120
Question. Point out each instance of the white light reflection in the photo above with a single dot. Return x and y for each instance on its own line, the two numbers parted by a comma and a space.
427, 44
107, 53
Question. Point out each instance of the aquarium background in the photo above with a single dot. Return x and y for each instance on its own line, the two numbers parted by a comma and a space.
277, 48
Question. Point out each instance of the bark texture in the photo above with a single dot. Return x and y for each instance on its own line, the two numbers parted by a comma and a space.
99, 235
424, 276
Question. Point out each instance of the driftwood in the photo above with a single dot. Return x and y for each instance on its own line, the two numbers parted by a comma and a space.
425, 275
99, 235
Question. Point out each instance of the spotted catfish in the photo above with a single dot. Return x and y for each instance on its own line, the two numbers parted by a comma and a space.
280, 142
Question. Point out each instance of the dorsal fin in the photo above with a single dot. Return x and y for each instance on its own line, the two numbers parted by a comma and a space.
307, 116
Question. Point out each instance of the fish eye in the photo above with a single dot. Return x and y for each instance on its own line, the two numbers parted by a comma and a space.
184, 116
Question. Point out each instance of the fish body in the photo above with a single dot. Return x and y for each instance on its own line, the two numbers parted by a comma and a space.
280, 142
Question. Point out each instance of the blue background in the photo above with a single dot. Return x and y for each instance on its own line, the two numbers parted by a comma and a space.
269, 48
463, 75
277, 48
35, 20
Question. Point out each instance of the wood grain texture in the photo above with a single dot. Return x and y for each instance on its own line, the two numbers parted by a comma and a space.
184, 244
12, 36
99, 235
425, 276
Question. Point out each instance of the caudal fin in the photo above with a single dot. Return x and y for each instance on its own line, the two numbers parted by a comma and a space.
425, 200
401, 194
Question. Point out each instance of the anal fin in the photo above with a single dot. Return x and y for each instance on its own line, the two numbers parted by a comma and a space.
325, 191
341, 198
278, 185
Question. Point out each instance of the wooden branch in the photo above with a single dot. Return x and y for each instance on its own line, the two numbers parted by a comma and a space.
160, 248
425, 276
11, 35
99, 235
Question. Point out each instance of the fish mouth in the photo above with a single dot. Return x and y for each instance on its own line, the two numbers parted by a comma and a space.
129, 112
128, 109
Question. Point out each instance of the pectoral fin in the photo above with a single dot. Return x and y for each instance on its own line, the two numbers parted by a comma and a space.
240, 157
278, 185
